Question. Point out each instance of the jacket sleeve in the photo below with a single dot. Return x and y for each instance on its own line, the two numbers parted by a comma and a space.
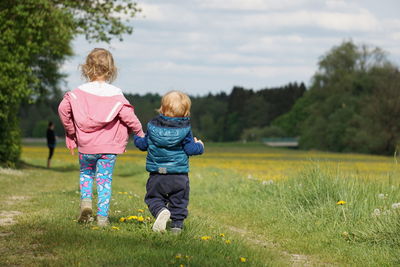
65, 113
190, 147
141, 142
127, 116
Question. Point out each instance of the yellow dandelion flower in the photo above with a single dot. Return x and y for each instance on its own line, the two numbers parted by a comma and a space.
243, 259
122, 219
341, 202
221, 235
227, 241
95, 228
140, 210
178, 256
148, 218
132, 218
140, 219
206, 237
120, 192
125, 193
130, 196
181, 265
115, 228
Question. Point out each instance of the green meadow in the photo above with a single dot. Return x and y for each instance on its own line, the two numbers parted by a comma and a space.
317, 214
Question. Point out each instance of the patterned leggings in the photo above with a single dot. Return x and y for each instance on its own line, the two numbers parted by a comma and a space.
100, 166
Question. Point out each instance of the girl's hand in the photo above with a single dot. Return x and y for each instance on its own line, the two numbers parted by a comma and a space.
198, 141
72, 151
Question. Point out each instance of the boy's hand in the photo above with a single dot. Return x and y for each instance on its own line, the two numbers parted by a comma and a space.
140, 142
198, 141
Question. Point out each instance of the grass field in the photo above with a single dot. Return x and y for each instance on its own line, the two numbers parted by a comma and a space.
249, 205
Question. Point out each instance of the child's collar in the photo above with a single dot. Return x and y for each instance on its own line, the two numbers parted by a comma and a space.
174, 118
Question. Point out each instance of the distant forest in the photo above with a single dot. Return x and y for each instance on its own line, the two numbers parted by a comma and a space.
241, 114
351, 105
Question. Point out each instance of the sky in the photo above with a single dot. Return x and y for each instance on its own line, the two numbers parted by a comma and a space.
206, 46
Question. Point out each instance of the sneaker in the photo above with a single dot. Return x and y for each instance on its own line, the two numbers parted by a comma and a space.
102, 221
161, 222
86, 210
176, 230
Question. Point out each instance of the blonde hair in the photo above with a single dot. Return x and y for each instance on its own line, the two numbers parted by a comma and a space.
99, 64
175, 104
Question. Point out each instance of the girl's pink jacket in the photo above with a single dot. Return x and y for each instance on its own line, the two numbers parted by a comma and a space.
98, 119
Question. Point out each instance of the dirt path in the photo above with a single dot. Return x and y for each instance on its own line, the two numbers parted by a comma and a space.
296, 260
7, 217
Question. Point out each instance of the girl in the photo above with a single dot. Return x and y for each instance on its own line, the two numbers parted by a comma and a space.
98, 120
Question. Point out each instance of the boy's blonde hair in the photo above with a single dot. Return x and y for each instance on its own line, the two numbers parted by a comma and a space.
99, 64
175, 104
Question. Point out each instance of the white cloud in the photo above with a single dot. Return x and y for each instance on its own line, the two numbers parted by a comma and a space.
152, 12
391, 24
167, 15
340, 5
285, 47
338, 21
260, 71
239, 59
173, 67
395, 36
362, 21
273, 71
254, 5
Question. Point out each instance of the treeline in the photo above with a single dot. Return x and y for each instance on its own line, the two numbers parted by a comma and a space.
351, 105
215, 117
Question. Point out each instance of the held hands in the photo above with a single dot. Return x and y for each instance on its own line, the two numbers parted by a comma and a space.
198, 141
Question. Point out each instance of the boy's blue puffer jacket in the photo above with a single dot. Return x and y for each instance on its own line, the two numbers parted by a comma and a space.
165, 151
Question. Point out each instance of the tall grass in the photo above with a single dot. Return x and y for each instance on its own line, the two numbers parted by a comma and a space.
370, 210
302, 215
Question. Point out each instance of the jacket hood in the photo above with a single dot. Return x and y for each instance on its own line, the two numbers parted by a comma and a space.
167, 131
95, 104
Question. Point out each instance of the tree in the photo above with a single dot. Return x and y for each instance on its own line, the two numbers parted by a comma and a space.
36, 39
379, 119
352, 103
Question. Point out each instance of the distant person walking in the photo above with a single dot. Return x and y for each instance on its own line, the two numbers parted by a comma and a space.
51, 142
97, 119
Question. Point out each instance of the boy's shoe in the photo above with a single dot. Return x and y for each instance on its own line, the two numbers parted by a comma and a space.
176, 230
86, 210
102, 221
161, 222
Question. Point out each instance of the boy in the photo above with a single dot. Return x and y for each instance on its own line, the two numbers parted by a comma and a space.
169, 143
